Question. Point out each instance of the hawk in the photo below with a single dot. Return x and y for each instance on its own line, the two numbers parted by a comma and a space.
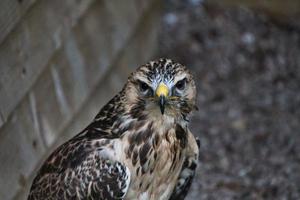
137, 147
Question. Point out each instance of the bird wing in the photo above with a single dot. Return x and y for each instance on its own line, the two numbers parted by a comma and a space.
77, 171
188, 169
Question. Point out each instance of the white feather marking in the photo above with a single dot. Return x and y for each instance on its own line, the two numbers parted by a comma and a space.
128, 178
144, 196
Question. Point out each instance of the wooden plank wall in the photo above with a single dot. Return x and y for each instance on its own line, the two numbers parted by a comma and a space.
60, 61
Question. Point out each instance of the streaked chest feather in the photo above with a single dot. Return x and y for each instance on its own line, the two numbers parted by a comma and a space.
154, 154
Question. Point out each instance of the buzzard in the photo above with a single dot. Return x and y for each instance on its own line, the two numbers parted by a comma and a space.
137, 147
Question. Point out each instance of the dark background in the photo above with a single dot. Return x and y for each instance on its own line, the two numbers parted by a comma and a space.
247, 68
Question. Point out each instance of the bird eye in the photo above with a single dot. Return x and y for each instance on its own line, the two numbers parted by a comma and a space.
180, 85
143, 86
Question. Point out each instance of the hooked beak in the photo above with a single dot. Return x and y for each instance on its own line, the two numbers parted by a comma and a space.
162, 92
162, 101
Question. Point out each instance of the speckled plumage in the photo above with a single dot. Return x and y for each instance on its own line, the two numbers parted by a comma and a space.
134, 148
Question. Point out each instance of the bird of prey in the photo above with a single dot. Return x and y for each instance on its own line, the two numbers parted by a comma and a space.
137, 147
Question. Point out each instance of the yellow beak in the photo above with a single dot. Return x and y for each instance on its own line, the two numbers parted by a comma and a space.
162, 92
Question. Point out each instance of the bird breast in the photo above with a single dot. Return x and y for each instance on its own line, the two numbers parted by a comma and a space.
154, 156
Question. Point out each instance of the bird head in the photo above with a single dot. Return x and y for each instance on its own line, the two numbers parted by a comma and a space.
163, 87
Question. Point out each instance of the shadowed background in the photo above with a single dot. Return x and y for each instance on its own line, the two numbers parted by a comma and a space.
247, 69
61, 61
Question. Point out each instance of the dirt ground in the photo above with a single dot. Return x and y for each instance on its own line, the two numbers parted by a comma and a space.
247, 69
